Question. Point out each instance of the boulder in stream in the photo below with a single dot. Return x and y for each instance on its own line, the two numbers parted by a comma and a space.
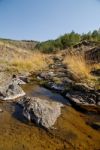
11, 91
43, 112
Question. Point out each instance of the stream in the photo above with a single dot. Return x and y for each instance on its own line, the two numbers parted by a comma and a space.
72, 130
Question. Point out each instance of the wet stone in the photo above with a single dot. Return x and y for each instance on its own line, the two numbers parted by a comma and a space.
42, 111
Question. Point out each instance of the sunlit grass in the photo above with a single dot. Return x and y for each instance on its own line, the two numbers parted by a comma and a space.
33, 62
80, 67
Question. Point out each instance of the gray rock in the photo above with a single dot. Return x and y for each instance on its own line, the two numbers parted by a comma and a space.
77, 99
67, 81
81, 93
18, 81
60, 74
44, 75
43, 112
39, 78
58, 87
24, 79
82, 87
93, 55
51, 74
47, 75
11, 91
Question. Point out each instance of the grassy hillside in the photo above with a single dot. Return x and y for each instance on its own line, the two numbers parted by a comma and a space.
19, 44
19, 56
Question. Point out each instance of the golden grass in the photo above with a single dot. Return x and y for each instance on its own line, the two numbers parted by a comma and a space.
79, 67
31, 62
19, 60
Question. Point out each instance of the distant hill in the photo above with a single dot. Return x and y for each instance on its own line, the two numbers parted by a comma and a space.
23, 44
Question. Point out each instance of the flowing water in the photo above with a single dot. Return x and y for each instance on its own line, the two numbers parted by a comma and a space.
72, 130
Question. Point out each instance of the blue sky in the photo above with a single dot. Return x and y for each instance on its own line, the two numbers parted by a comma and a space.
47, 19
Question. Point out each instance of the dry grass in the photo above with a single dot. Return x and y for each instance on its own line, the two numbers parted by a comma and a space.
16, 59
79, 67
32, 62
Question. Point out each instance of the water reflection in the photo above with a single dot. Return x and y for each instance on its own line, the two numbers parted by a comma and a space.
41, 92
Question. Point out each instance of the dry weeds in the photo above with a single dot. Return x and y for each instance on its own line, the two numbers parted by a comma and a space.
80, 67
33, 62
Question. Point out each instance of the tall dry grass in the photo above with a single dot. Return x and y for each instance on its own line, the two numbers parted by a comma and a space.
80, 67
31, 62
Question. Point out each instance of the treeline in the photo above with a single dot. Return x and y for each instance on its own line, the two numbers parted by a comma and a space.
68, 40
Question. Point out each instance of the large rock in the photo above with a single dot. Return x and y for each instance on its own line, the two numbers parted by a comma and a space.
43, 112
80, 99
82, 94
58, 87
11, 91
20, 80
46, 75
93, 55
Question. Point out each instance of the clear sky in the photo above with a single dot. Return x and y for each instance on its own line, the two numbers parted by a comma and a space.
47, 19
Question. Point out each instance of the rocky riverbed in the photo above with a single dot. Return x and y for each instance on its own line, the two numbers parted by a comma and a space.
49, 111
73, 129
62, 80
